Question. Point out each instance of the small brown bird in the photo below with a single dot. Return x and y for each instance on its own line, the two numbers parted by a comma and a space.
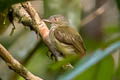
66, 40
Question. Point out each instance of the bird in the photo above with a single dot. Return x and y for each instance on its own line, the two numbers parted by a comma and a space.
65, 38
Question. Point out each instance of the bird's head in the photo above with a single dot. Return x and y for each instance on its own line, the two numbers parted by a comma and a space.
57, 20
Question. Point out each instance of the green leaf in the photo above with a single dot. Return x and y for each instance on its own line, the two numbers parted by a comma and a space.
89, 61
7, 3
98, 71
88, 74
118, 71
107, 43
4, 21
111, 29
105, 69
118, 4
59, 64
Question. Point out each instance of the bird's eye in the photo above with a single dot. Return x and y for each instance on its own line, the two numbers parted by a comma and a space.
55, 19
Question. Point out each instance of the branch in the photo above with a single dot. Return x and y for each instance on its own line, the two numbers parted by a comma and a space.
29, 17
16, 66
94, 14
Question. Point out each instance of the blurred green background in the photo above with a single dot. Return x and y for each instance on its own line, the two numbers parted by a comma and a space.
101, 36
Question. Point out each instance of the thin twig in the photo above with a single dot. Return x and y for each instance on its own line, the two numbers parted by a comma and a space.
25, 61
94, 14
16, 66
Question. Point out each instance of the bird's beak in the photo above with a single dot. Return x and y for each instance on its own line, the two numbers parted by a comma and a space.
47, 20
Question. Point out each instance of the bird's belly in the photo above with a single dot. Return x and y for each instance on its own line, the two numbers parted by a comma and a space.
66, 50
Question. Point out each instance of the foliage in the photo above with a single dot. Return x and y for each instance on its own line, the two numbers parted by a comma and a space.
89, 61
7, 3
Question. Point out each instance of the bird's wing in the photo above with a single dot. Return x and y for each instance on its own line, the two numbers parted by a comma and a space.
69, 36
